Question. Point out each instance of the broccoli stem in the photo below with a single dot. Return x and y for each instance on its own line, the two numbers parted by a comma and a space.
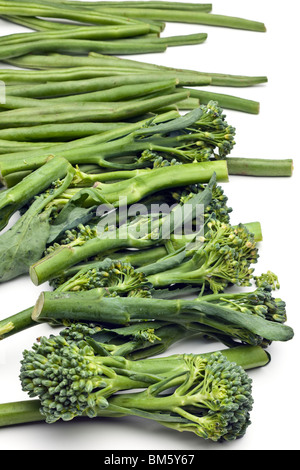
68, 255
260, 167
28, 411
139, 258
91, 306
11, 200
58, 131
16, 323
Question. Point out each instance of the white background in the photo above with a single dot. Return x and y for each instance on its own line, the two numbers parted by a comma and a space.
274, 202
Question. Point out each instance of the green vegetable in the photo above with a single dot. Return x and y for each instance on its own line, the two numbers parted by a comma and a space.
213, 319
94, 63
187, 373
32, 9
203, 134
15, 198
72, 380
24, 243
69, 10
88, 242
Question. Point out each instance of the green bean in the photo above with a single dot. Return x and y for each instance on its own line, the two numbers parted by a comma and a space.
260, 167
110, 95
82, 46
38, 24
84, 32
193, 17
225, 101
31, 9
92, 112
163, 5
72, 87
185, 76
171, 15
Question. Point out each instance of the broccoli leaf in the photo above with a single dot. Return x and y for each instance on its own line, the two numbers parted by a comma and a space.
24, 243
75, 212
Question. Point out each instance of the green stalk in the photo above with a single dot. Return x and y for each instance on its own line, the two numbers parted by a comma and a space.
15, 77
11, 200
83, 32
16, 323
225, 101
138, 258
68, 255
57, 131
82, 46
37, 24
193, 17
162, 5
88, 112
91, 306
16, 146
114, 94
186, 77
115, 133
72, 87
260, 167
31, 9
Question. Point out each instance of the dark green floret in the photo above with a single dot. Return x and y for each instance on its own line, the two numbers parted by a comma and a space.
204, 394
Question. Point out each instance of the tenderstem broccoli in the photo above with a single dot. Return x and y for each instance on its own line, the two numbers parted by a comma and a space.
240, 320
141, 232
209, 394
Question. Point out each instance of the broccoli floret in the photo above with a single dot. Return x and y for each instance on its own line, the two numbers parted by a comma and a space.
114, 276
204, 394
225, 257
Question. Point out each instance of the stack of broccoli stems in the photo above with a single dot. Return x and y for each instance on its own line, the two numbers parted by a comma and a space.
86, 135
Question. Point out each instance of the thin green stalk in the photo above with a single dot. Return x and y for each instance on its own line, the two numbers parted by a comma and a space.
37, 24
162, 5
79, 32
16, 146
260, 167
186, 77
62, 132
225, 101
114, 94
14, 77
115, 133
31, 9
71, 87
88, 112
193, 17
82, 46
14, 198
16, 323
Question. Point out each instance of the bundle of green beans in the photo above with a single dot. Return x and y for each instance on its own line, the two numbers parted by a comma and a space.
75, 41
